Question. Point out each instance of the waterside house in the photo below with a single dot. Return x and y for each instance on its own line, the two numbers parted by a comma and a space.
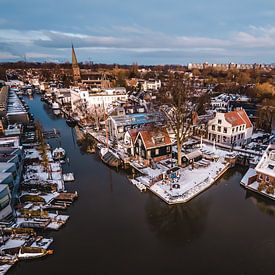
262, 178
232, 128
152, 145
119, 125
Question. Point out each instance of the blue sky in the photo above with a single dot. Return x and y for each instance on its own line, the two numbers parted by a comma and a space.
143, 31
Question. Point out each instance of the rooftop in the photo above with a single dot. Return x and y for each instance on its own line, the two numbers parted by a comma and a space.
137, 119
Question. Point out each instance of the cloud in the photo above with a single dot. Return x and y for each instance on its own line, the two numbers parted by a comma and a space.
137, 41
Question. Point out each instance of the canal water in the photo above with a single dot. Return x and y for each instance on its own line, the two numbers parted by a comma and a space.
115, 229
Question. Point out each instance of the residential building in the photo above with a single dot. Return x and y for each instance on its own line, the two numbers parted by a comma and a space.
6, 212
119, 125
90, 99
232, 128
266, 167
153, 144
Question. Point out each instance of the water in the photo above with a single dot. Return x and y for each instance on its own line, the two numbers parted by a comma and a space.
115, 229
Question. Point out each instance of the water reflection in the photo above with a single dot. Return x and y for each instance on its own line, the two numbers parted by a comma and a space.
263, 204
180, 223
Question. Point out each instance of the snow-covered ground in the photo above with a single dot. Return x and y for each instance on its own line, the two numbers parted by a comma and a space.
191, 183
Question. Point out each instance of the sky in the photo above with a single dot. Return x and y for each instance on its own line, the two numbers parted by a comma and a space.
142, 31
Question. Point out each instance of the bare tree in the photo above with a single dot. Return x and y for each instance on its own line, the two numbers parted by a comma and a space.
178, 113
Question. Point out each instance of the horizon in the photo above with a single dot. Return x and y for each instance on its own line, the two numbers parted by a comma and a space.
148, 32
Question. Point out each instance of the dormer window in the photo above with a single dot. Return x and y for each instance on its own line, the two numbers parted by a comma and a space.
159, 139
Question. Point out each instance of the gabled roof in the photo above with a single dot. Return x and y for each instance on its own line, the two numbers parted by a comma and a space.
238, 117
150, 135
242, 113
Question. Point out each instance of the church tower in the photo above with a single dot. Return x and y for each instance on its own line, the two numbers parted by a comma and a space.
75, 67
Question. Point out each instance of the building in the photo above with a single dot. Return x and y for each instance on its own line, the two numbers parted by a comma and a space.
75, 67
88, 99
153, 144
232, 128
6, 212
3, 101
119, 125
16, 112
150, 84
266, 167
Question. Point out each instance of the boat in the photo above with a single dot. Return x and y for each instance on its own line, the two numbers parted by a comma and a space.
139, 185
68, 177
27, 252
59, 153
71, 122
55, 106
109, 157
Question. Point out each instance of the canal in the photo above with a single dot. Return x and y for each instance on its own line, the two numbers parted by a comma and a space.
115, 229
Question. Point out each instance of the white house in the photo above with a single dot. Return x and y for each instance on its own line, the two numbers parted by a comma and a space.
230, 128
90, 99
151, 84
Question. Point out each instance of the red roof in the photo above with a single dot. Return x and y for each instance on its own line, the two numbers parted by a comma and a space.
155, 137
238, 117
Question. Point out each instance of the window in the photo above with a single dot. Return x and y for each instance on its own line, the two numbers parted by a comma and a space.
156, 152
168, 149
120, 129
219, 121
224, 139
225, 130
159, 139
219, 128
143, 153
267, 178
213, 127
236, 129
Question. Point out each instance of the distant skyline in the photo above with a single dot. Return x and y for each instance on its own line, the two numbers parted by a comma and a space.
146, 32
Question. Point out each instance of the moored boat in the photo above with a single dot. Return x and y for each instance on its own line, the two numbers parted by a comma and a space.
55, 106
109, 157
59, 153
71, 122
26, 253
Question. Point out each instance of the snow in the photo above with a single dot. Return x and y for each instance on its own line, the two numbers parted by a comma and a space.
191, 181
4, 268
250, 173
13, 243
189, 186
43, 243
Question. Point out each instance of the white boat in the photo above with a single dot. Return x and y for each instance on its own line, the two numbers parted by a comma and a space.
59, 153
68, 177
55, 106
139, 185
26, 253
56, 112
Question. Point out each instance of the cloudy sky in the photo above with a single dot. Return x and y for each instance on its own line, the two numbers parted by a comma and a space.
143, 31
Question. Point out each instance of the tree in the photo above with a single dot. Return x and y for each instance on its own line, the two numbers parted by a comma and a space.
179, 113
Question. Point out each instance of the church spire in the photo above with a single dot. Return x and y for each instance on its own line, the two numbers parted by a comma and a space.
75, 67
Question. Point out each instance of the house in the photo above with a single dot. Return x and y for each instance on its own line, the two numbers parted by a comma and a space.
119, 125
6, 212
153, 144
266, 167
89, 99
231, 128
